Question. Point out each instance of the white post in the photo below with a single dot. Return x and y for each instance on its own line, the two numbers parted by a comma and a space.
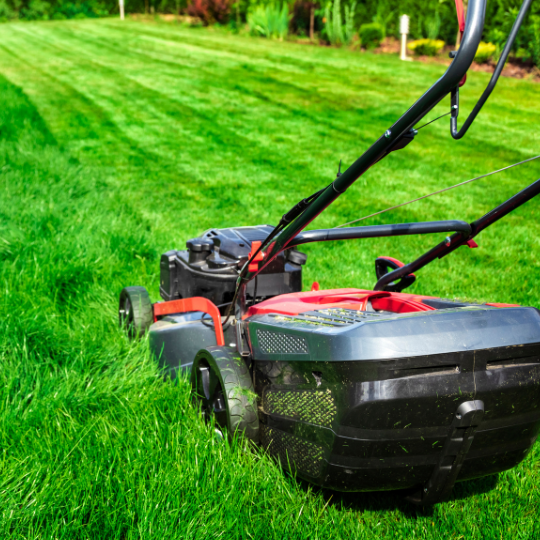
404, 30
121, 3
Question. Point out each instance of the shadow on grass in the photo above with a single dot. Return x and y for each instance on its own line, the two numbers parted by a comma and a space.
396, 500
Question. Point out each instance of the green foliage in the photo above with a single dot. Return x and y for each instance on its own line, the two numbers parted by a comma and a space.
37, 10
337, 31
384, 15
427, 47
534, 43
6, 12
433, 25
120, 141
348, 27
271, 21
485, 52
333, 27
371, 35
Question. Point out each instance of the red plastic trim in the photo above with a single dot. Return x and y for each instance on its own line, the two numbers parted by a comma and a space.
460, 11
460, 15
185, 305
356, 299
391, 259
254, 265
396, 261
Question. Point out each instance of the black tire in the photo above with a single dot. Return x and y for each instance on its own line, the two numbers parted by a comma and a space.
221, 383
135, 312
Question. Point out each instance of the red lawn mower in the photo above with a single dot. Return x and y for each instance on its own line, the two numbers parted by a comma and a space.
357, 390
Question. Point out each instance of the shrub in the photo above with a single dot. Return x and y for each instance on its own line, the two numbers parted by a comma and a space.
485, 52
371, 35
348, 27
271, 21
220, 10
333, 27
201, 10
427, 47
385, 15
336, 31
36, 10
534, 43
75, 10
210, 11
433, 26
6, 13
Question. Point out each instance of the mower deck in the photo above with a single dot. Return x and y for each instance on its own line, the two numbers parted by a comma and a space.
364, 390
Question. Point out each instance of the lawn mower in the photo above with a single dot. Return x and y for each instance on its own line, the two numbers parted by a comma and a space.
353, 389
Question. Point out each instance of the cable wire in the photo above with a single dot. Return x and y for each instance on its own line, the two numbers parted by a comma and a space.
431, 121
436, 192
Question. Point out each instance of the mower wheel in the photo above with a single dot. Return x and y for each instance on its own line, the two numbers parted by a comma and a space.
135, 313
221, 383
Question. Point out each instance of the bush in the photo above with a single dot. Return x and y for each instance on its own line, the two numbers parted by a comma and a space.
433, 26
210, 11
6, 13
371, 35
36, 10
336, 31
271, 21
385, 15
534, 42
426, 47
75, 10
485, 52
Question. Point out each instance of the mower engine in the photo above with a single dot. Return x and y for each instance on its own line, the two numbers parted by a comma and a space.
209, 267
205, 274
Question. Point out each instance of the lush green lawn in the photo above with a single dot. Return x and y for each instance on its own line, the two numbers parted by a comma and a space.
120, 141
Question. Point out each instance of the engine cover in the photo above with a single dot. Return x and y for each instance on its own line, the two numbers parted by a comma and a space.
209, 267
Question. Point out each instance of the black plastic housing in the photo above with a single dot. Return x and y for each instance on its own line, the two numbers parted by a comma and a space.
360, 401
209, 267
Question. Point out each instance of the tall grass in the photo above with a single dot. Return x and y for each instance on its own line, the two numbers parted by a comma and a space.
270, 21
339, 32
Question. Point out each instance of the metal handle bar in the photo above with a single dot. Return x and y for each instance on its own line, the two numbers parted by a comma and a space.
458, 239
500, 64
379, 231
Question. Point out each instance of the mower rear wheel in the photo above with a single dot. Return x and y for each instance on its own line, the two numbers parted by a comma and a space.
222, 385
135, 312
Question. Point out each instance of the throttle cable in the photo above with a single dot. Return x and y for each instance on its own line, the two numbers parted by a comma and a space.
436, 192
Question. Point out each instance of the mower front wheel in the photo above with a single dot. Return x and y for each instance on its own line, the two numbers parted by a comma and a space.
222, 385
135, 312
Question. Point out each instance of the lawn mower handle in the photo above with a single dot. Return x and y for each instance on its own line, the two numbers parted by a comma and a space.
493, 81
379, 231
458, 239
389, 140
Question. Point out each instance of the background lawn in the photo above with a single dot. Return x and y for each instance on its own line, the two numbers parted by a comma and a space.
121, 141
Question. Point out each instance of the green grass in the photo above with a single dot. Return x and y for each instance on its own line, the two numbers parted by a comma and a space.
121, 141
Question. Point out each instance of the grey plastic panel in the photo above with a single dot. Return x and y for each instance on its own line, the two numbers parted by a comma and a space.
383, 336
175, 344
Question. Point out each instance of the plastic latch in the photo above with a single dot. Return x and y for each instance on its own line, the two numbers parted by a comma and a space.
471, 243
315, 286
254, 265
